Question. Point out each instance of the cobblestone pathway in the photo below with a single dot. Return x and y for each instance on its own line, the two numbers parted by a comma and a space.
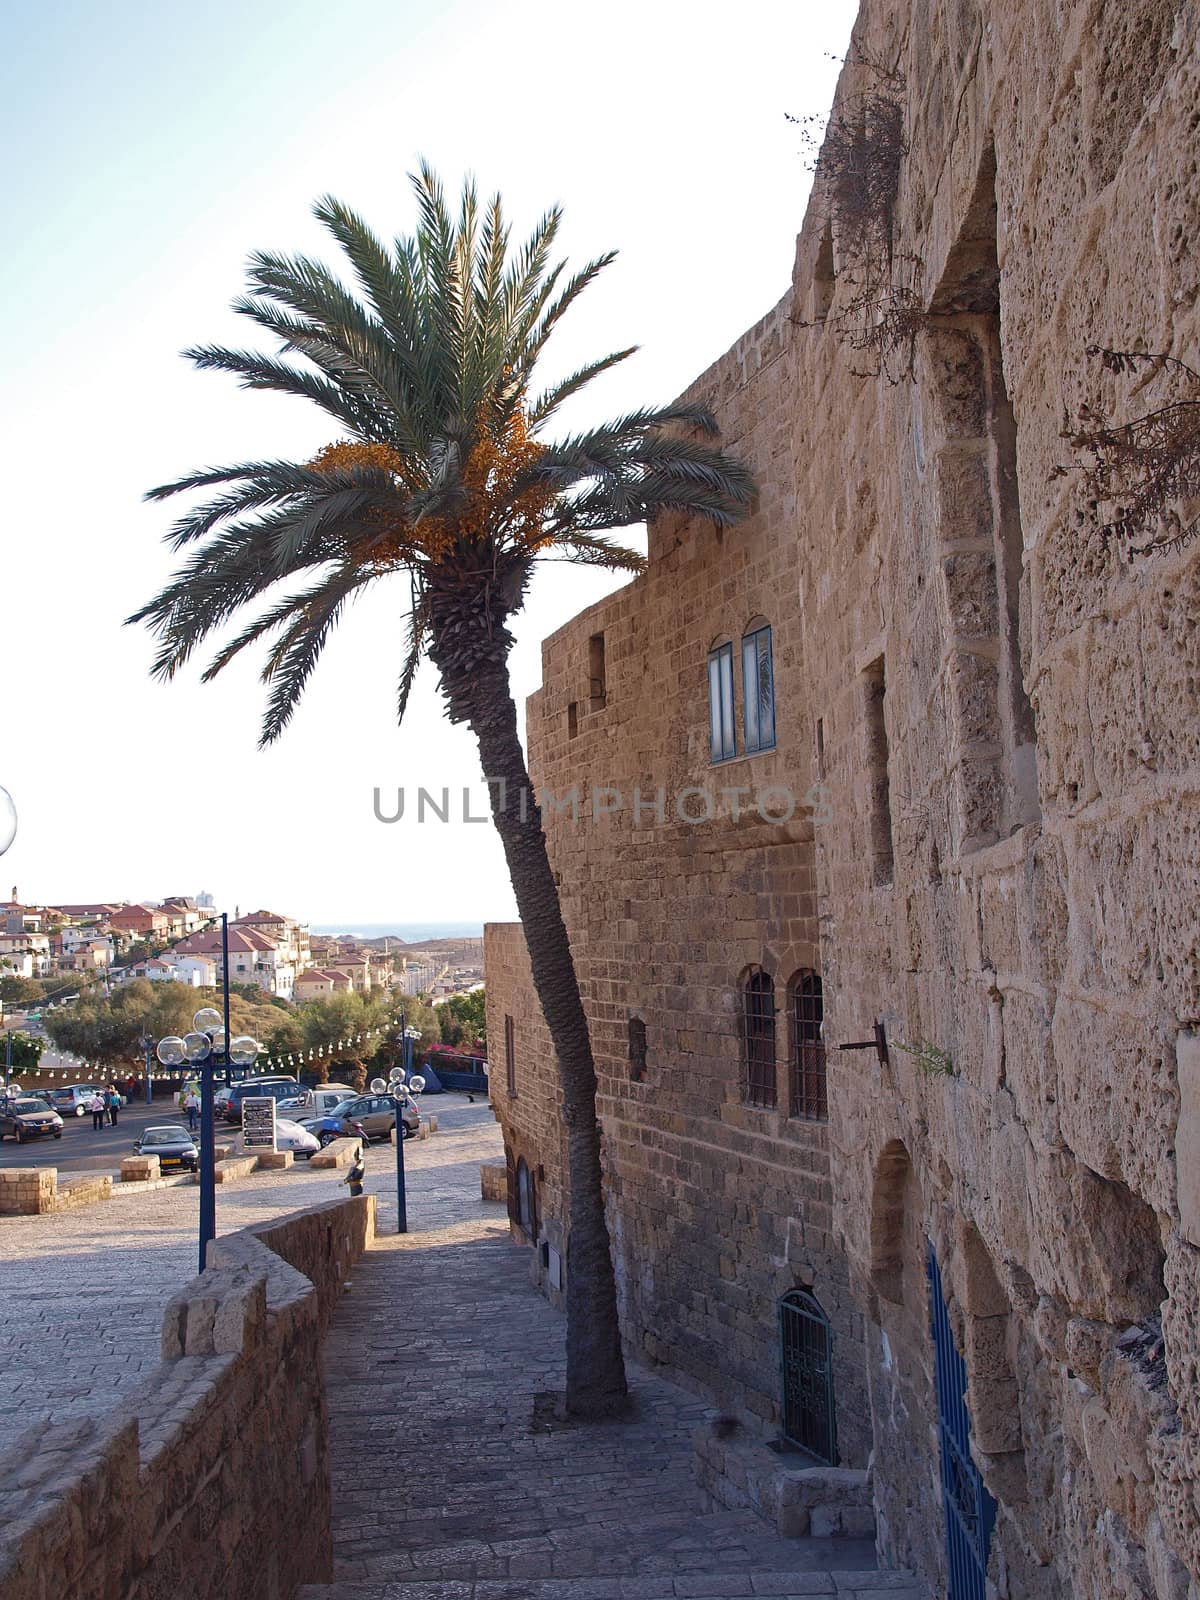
83, 1292
444, 1491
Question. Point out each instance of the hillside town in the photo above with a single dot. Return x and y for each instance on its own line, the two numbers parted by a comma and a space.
178, 939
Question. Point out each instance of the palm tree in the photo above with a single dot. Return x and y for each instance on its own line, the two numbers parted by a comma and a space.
441, 475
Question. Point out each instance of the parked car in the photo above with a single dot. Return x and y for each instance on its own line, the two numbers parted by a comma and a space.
321, 1102
291, 1136
72, 1100
375, 1113
174, 1146
30, 1117
277, 1088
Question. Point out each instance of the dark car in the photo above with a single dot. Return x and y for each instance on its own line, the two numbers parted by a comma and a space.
374, 1113
173, 1145
277, 1088
29, 1117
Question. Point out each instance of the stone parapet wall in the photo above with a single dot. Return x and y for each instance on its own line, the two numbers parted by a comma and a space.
37, 1191
213, 1478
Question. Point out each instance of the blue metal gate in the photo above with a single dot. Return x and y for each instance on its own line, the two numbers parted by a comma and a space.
969, 1509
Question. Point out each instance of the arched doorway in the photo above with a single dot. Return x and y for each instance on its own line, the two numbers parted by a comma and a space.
806, 1346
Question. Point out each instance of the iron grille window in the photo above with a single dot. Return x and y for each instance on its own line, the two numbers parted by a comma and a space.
809, 1096
722, 736
806, 1341
759, 1002
510, 1056
758, 691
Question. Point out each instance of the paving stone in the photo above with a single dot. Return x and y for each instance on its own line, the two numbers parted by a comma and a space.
446, 1490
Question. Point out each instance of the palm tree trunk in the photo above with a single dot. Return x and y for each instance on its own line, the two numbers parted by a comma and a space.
482, 696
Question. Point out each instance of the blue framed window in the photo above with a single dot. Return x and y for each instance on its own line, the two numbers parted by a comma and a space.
758, 689
722, 737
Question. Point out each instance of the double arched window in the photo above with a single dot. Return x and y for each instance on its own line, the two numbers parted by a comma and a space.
758, 694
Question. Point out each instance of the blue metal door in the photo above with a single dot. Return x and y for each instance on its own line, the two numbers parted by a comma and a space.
970, 1510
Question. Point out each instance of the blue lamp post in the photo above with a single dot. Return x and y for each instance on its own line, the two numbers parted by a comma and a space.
204, 1047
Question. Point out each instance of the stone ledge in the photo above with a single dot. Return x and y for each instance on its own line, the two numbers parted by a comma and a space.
797, 1497
232, 1168
140, 1169
338, 1154
274, 1160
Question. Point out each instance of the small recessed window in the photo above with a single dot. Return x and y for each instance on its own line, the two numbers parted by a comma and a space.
572, 719
722, 738
510, 1056
597, 673
758, 689
637, 1049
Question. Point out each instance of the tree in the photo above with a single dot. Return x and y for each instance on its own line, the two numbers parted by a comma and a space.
441, 478
18, 991
466, 1015
25, 1052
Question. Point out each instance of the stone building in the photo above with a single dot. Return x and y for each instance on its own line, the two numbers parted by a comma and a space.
910, 762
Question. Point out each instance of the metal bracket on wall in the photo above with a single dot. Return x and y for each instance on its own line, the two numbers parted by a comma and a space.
879, 1044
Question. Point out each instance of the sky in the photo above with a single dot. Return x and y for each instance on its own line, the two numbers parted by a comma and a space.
150, 149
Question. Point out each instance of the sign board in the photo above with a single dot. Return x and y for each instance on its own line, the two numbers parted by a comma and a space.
258, 1122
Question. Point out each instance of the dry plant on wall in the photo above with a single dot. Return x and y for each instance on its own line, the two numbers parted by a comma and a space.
1147, 470
856, 156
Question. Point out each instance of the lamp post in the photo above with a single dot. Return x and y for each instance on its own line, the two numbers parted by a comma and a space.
396, 1084
201, 1048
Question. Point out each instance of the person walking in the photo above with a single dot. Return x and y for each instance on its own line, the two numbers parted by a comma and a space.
359, 1169
114, 1103
96, 1107
191, 1104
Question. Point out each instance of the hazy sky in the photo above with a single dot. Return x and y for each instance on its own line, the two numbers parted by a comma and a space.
150, 148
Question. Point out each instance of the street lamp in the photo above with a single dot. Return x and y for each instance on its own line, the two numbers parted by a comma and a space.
200, 1048
396, 1086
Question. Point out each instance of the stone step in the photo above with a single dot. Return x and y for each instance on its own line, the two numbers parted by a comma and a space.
691, 1549
758, 1585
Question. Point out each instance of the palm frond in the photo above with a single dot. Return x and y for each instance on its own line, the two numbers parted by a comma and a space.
544, 407
294, 655
265, 372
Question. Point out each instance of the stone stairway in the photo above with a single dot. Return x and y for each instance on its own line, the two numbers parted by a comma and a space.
454, 1479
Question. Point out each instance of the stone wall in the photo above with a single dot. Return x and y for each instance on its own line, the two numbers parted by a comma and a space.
213, 1477
38, 1191
990, 718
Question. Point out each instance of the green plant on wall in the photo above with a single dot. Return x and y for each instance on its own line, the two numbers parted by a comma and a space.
930, 1058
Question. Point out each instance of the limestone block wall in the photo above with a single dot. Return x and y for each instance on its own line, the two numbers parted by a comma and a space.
679, 879
181, 1490
990, 715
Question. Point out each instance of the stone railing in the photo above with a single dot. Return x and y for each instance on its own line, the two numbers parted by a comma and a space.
213, 1478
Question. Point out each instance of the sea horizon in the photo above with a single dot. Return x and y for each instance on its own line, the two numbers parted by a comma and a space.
410, 932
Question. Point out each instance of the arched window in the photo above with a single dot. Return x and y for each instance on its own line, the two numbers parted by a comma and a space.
526, 1199
807, 1349
721, 733
758, 1029
758, 688
809, 1097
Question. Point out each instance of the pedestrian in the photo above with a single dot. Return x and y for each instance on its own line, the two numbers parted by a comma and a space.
191, 1104
114, 1103
96, 1107
358, 1171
